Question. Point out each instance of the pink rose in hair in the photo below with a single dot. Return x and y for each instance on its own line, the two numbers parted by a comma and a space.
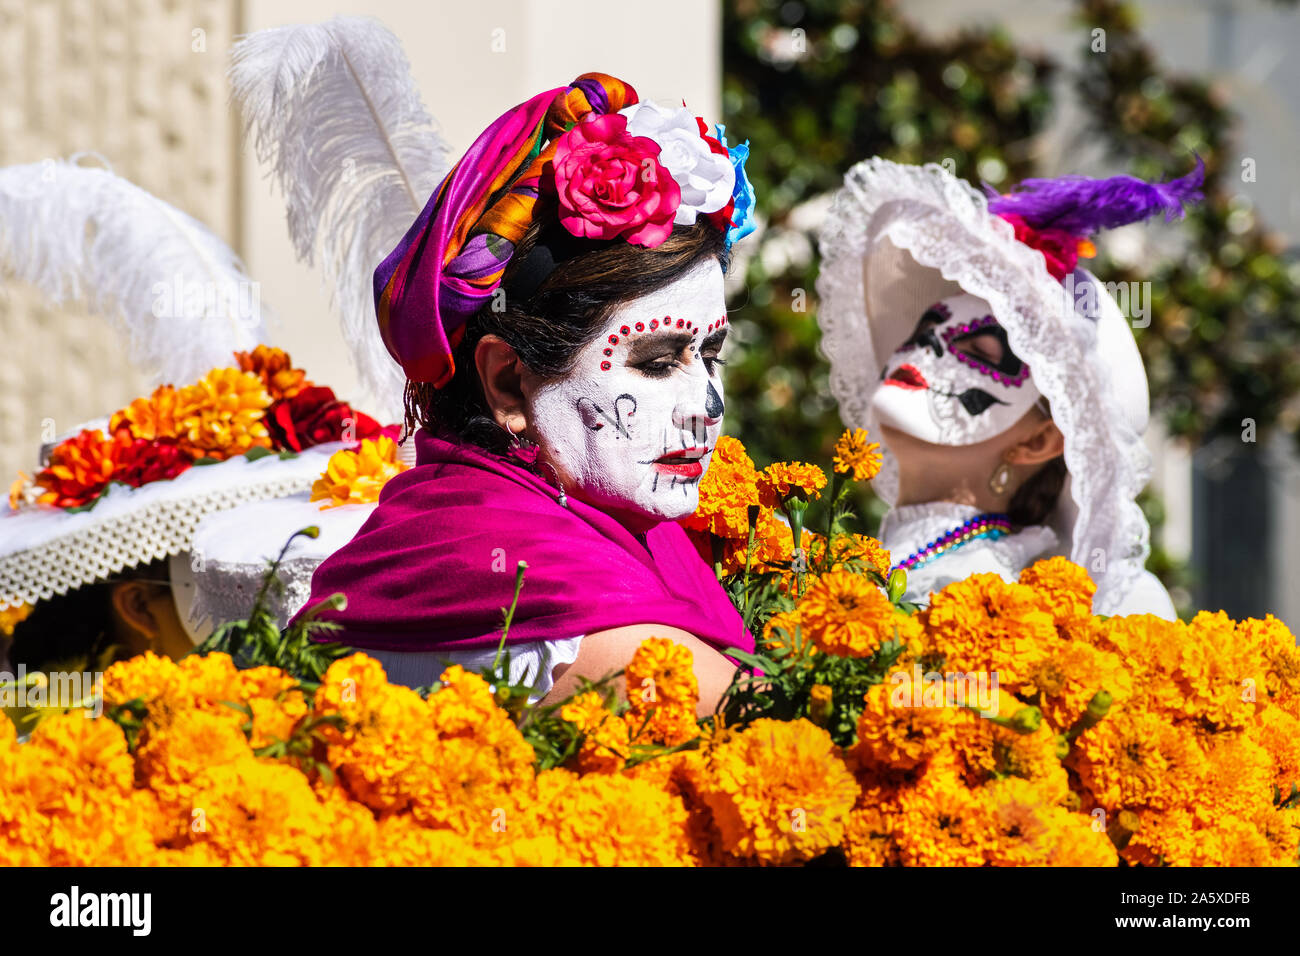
610, 183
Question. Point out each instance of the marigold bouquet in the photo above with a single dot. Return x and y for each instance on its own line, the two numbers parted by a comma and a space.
1003, 724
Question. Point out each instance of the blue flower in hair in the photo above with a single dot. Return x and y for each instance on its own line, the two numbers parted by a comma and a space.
742, 216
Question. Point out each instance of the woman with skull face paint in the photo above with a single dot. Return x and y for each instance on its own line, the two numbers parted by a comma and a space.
1001, 377
558, 310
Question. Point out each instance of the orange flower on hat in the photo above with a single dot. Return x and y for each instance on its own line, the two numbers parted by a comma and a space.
149, 418
221, 415
80, 469
356, 477
274, 367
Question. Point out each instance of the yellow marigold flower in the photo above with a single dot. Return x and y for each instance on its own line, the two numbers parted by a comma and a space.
854, 456
662, 674
728, 488
868, 833
786, 479
252, 812
11, 617
942, 822
404, 842
662, 671
779, 792
274, 367
150, 418
897, 730
605, 747
1064, 588
220, 416
1136, 758
388, 743
846, 614
848, 552
609, 820
147, 676
357, 477
984, 623
1034, 833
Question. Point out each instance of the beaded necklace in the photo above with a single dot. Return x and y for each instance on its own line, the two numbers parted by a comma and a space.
991, 526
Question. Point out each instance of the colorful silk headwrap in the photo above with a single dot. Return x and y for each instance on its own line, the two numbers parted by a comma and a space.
450, 261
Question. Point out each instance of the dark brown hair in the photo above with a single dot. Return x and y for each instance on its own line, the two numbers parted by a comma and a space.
548, 326
1034, 500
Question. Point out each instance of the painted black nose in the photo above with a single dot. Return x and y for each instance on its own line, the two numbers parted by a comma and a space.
712, 402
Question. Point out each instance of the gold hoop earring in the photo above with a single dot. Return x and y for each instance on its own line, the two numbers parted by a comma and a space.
1000, 478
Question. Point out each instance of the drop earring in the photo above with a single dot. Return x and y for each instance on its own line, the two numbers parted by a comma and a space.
1000, 478
518, 443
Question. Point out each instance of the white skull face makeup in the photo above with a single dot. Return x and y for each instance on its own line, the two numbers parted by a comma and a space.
954, 381
635, 424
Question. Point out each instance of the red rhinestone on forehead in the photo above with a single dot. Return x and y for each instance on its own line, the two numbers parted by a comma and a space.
604, 366
680, 322
640, 326
608, 351
613, 340
625, 330
654, 324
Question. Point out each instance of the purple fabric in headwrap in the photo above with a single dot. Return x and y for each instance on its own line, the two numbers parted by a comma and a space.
434, 566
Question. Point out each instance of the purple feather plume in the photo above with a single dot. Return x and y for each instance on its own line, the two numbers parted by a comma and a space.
1082, 206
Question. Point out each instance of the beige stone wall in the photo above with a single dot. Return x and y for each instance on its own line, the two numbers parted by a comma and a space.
131, 80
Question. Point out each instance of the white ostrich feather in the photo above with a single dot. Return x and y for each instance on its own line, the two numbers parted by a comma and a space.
337, 117
179, 295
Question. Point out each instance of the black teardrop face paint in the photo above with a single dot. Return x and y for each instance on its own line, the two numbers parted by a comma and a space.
976, 401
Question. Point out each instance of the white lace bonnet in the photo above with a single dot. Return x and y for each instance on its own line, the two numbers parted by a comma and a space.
900, 237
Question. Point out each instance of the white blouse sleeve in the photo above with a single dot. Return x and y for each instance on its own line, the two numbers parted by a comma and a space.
531, 663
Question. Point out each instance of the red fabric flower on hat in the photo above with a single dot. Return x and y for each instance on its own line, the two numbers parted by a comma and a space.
314, 416
1061, 249
610, 183
139, 461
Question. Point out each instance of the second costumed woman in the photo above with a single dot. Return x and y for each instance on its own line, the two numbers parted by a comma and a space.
558, 311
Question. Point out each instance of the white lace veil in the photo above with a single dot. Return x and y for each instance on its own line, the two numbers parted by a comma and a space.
899, 238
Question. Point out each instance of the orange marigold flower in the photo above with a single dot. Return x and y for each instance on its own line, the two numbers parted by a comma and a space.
728, 488
789, 479
609, 820
605, 747
1064, 588
849, 551
984, 623
779, 792
853, 455
274, 367
357, 477
663, 692
149, 418
80, 469
846, 614
220, 416
898, 729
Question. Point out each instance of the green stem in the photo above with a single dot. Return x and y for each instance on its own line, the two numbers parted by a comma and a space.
519, 583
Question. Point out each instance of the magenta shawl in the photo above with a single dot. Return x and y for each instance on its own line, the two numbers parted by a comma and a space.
434, 566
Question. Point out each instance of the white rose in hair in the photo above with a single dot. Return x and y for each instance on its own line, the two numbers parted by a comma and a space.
706, 178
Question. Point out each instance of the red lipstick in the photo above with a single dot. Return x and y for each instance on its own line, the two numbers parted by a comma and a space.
907, 376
